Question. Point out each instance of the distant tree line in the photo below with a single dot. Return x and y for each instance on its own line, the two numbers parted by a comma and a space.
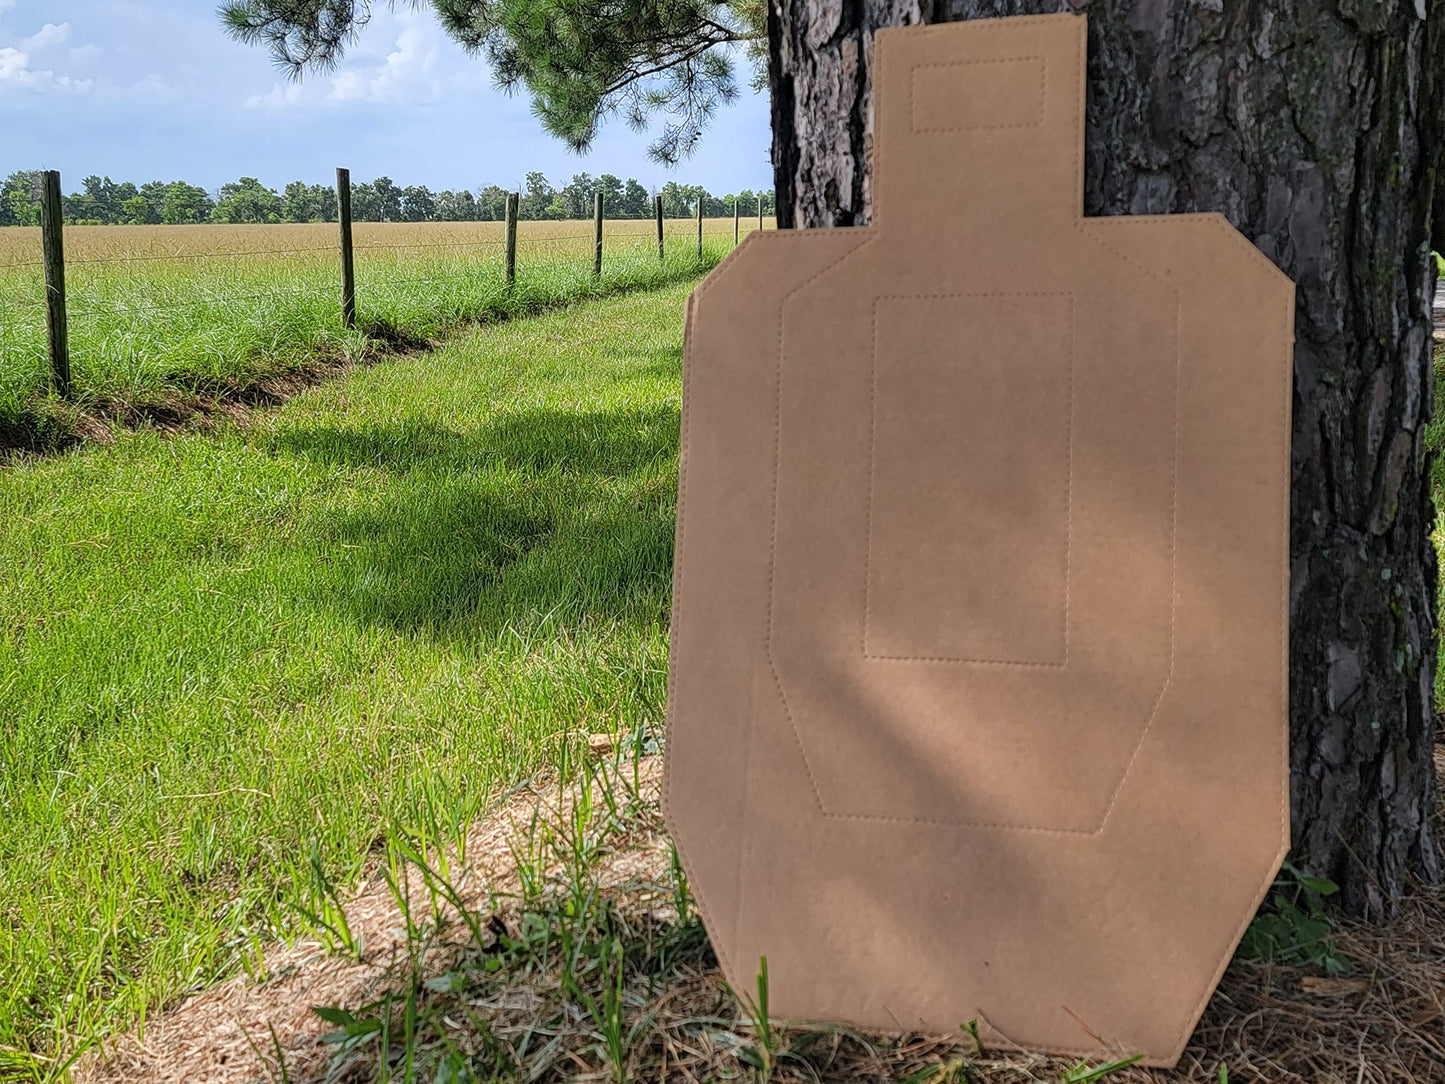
102, 201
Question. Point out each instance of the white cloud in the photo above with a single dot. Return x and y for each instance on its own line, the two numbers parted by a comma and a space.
152, 85
278, 97
407, 75
47, 37
16, 72
17, 68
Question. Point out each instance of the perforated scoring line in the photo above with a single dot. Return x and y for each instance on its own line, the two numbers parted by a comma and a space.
1079, 226
913, 95
823, 810
1173, 555
777, 480
1068, 486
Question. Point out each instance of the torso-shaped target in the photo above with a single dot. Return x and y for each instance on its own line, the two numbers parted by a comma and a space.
978, 681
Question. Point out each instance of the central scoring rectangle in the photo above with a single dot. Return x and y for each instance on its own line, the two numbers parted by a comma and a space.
970, 479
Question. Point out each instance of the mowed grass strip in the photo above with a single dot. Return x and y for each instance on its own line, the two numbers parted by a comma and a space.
378, 606
156, 311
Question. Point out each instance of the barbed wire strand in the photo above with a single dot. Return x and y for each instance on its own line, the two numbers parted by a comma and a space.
488, 242
148, 257
173, 303
83, 306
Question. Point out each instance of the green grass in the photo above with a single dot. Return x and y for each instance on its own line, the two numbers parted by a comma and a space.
1435, 449
386, 601
373, 611
144, 328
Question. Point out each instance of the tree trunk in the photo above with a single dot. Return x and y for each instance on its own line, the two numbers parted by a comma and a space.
1313, 125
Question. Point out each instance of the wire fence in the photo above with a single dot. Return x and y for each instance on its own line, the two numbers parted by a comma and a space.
275, 278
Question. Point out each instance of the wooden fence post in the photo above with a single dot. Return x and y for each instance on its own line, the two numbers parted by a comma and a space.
699, 227
735, 221
597, 233
52, 219
348, 253
513, 199
657, 205
760, 211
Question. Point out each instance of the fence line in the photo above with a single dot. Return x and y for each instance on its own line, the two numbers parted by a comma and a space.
98, 305
54, 263
486, 242
194, 256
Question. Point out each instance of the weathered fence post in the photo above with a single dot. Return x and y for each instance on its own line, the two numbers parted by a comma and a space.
513, 198
657, 204
735, 221
699, 227
348, 253
597, 233
760, 210
52, 219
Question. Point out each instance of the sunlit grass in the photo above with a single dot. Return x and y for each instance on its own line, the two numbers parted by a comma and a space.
155, 309
397, 594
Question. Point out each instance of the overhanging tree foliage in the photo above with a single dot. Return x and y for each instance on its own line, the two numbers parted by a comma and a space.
581, 61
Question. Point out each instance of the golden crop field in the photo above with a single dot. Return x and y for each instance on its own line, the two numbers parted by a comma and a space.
20, 245
156, 309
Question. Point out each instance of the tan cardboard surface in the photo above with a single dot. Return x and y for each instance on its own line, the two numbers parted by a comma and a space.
977, 701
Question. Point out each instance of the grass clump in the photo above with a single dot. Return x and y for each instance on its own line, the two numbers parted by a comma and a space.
586, 959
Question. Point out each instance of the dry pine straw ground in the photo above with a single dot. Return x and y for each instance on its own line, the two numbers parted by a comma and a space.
507, 1006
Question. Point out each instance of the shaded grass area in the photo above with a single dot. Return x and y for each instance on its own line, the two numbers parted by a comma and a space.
154, 333
383, 603
1435, 449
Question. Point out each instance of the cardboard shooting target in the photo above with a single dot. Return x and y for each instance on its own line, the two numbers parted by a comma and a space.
978, 703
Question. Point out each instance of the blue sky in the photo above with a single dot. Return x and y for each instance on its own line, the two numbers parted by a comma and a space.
156, 91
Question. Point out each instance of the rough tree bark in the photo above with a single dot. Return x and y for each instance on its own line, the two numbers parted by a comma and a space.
1313, 125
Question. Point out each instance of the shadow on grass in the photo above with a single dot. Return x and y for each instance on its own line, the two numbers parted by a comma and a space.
665, 363
34, 433
609, 443
542, 518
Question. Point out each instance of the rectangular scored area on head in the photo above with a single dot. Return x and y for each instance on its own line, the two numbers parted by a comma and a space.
969, 95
